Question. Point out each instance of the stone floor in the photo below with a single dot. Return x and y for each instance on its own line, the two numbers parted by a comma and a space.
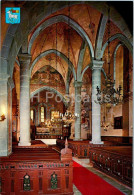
85, 162
76, 191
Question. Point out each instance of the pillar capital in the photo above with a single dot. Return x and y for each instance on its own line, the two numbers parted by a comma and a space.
10, 82
97, 64
78, 83
24, 57
4, 77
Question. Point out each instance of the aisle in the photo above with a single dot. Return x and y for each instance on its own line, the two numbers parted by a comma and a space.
90, 184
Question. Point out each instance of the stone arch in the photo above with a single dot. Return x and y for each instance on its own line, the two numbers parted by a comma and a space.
14, 36
83, 72
80, 60
90, 66
13, 42
67, 81
100, 6
100, 35
115, 52
103, 71
51, 90
61, 18
60, 54
122, 38
6, 48
17, 61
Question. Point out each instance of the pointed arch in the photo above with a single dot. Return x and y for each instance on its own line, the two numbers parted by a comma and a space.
80, 60
60, 54
115, 52
61, 18
122, 38
100, 35
37, 91
90, 66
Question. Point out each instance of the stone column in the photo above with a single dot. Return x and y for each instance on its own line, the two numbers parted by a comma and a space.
96, 108
24, 60
78, 85
6, 86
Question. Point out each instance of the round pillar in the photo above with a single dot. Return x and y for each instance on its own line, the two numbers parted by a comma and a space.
96, 108
24, 60
77, 85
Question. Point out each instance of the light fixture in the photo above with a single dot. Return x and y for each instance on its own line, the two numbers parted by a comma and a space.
68, 116
91, 24
2, 117
109, 95
48, 122
54, 119
104, 123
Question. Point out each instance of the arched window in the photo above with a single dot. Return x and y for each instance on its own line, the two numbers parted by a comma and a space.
32, 115
42, 114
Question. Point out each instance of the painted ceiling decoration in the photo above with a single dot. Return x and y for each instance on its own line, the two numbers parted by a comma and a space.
39, 41
47, 75
85, 23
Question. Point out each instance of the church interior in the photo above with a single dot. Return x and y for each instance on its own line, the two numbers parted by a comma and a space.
66, 98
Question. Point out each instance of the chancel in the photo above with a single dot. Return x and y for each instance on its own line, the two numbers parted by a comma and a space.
66, 97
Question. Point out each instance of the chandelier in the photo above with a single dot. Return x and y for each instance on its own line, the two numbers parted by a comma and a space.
104, 124
48, 123
56, 118
68, 116
109, 95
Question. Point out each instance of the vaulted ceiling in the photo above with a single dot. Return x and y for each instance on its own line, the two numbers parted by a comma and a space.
64, 38
65, 34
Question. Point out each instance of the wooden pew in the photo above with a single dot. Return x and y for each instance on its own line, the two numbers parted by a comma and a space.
81, 149
115, 161
37, 171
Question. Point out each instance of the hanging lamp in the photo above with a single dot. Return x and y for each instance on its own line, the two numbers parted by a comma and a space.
109, 95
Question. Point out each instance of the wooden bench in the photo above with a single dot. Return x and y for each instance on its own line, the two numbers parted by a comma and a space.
81, 149
115, 161
41, 167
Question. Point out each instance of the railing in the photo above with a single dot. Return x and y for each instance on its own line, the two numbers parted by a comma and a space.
37, 171
81, 149
115, 164
40, 177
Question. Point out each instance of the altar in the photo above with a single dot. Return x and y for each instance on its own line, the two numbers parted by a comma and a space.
53, 131
48, 141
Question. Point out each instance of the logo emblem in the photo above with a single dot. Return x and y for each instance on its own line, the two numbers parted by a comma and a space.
12, 15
